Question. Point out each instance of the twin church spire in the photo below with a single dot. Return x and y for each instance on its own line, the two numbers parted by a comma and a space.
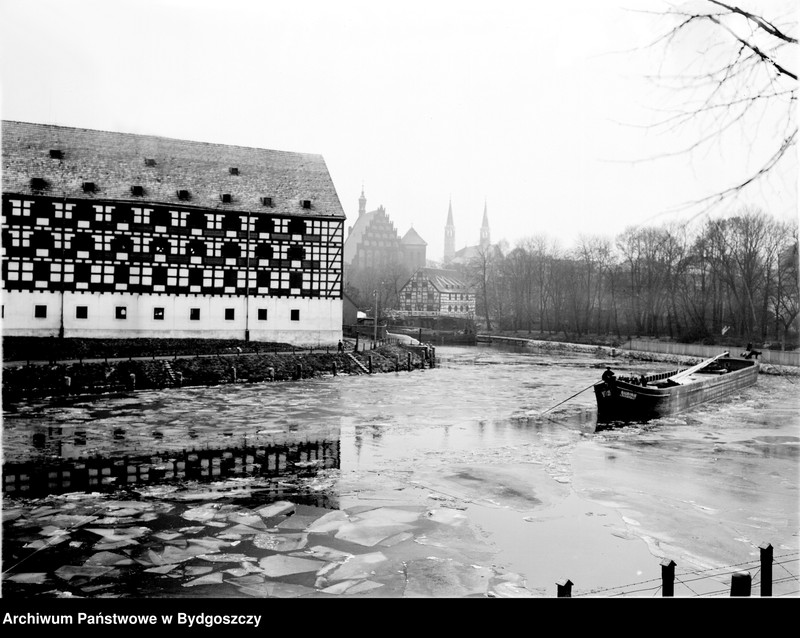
450, 233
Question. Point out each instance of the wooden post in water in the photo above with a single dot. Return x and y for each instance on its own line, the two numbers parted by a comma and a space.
667, 578
564, 588
298, 371
334, 368
408, 355
369, 358
766, 569
740, 584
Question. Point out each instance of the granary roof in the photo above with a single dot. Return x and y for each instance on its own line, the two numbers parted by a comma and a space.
115, 162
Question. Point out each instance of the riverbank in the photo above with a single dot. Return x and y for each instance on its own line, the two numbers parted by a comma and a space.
148, 367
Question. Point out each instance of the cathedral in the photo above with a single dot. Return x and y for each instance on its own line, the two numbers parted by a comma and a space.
373, 242
466, 254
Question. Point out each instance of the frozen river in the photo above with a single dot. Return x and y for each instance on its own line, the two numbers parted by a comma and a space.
479, 477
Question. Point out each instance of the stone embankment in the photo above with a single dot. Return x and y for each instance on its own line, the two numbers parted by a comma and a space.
86, 377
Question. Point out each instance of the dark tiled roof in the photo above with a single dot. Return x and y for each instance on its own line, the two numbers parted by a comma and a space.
444, 280
115, 162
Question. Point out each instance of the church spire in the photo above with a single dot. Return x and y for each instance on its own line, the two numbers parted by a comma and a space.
485, 236
449, 235
362, 202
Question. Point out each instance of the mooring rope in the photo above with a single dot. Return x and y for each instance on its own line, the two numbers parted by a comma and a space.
568, 398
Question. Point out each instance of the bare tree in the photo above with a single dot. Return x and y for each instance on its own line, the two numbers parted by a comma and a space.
736, 78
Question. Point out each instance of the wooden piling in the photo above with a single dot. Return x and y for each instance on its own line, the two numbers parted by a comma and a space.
766, 569
741, 583
369, 358
667, 578
564, 588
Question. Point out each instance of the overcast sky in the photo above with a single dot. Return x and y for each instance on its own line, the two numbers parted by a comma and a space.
531, 108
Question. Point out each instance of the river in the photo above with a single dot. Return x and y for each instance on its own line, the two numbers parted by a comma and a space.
481, 477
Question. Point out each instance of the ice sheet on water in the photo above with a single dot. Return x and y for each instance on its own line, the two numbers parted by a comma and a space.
369, 533
109, 559
208, 579
437, 578
281, 542
279, 565
68, 572
329, 522
276, 509
358, 567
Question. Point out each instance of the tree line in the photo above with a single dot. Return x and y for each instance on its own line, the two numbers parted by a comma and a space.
735, 278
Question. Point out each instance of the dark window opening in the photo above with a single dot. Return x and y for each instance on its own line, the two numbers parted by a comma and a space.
160, 246
195, 277
121, 244
229, 314
121, 312
262, 314
81, 312
56, 153
194, 314
40, 312
263, 251
137, 191
196, 248
183, 195
306, 203
229, 278
149, 162
88, 187
83, 242
295, 280
231, 250
196, 219
295, 315
266, 201
233, 170
296, 226
263, 278
41, 271
122, 273
83, 272
159, 276
38, 183
226, 198
263, 224
161, 217
231, 222
158, 314
42, 239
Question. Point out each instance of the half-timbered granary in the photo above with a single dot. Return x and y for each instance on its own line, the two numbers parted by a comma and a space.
120, 235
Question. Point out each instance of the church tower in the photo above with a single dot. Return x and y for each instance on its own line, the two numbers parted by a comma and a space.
362, 202
485, 238
449, 236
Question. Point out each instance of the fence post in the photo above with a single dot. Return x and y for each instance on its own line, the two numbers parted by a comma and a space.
564, 588
667, 578
766, 569
740, 584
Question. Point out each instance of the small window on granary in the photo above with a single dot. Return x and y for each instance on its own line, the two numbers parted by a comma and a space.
88, 187
226, 198
56, 153
137, 191
38, 183
183, 195
40, 312
266, 201
149, 162
233, 170
306, 203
